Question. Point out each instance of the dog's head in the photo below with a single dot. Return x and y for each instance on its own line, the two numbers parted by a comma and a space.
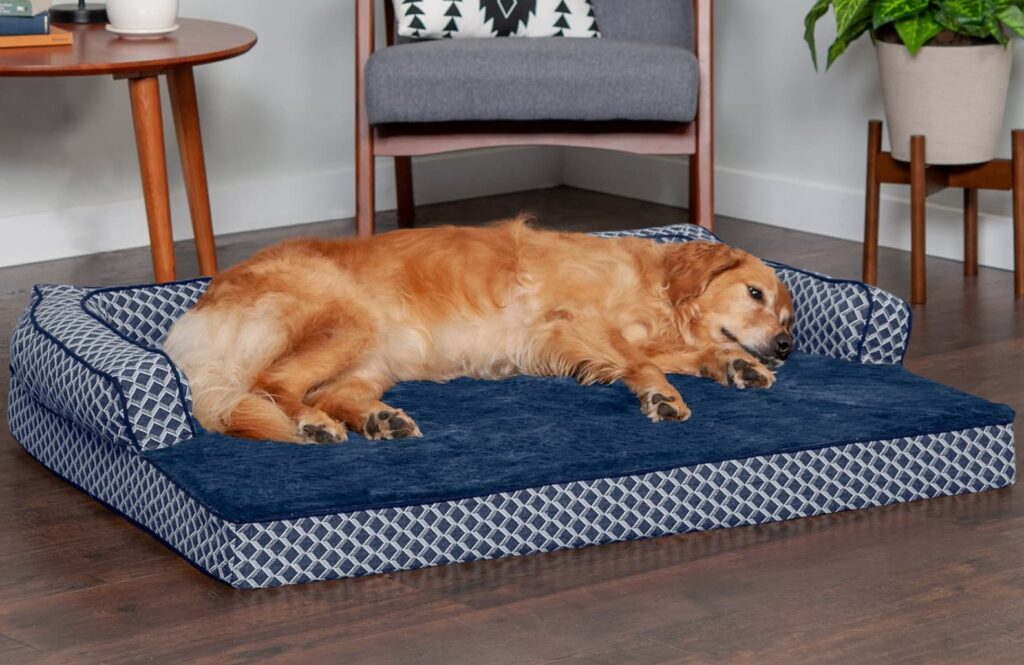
732, 298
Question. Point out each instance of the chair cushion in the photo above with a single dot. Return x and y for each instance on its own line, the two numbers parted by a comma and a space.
531, 79
666, 22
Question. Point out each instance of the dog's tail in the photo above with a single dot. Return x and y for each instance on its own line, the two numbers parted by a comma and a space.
257, 417
221, 352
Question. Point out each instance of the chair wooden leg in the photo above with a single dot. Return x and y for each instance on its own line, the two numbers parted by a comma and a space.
364, 132
1018, 213
182, 87
970, 232
404, 192
365, 187
149, 138
702, 192
871, 205
918, 199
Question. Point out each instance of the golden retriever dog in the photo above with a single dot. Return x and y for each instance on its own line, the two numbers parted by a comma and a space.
300, 342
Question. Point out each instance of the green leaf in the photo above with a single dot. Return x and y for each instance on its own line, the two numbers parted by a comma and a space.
887, 11
851, 32
819, 9
968, 17
850, 12
1013, 18
915, 31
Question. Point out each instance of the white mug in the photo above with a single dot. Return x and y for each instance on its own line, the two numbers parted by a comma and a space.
142, 14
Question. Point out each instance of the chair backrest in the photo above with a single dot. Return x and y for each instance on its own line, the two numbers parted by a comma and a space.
668, 22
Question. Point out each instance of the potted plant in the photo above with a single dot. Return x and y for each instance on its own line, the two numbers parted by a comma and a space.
945, 68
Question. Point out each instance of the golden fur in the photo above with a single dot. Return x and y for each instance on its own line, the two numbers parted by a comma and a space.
300, 342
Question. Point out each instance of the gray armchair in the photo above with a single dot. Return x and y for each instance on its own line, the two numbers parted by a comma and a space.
644, 87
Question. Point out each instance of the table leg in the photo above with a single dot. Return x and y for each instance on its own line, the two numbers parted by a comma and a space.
182, 87
970, 232
149, 138
918, 199
871, 204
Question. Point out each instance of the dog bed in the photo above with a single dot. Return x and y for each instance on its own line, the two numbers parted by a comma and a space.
505, 468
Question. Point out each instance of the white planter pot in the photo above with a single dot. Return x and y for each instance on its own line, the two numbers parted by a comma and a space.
953, 95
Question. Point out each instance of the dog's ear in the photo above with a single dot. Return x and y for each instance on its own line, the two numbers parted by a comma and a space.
691, 266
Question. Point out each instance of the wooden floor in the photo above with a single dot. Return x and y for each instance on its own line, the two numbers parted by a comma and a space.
939, 581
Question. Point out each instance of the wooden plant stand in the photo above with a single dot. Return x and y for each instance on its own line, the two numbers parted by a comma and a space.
925, 180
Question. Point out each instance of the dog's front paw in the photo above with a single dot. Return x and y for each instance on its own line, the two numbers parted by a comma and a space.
742, 373
390, 424
659, 406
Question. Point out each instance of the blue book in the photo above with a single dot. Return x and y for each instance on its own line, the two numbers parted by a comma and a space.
25, 25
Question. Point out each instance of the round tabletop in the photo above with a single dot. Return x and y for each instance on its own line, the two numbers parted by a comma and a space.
97, 51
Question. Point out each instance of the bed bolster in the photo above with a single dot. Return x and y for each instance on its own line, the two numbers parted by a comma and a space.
83, 369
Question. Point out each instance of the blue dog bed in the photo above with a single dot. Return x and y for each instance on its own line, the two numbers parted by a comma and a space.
505, 468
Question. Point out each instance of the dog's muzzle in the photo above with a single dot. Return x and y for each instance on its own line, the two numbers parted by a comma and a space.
783, 345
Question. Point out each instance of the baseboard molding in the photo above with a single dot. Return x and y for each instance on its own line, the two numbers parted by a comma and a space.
788, 203
66, 232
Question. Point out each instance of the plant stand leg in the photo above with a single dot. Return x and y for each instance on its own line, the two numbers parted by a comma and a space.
1018, 213
918, 198
872, 192
970, 232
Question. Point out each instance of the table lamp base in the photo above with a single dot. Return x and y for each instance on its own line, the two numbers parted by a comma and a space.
79, 13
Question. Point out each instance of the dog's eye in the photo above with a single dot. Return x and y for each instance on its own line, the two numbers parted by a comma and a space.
755, 293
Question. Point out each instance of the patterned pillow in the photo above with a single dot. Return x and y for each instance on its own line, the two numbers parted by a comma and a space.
437, 19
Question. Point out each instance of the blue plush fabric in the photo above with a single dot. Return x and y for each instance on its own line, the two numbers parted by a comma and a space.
485, 437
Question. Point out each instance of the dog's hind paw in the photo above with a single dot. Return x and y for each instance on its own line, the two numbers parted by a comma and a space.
659, 407
323, 433
743, 374
390, 424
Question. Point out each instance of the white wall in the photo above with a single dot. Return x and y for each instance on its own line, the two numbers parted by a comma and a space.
791, 143
277, 125
278, 131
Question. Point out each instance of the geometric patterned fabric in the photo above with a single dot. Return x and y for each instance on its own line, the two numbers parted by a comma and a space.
91, 392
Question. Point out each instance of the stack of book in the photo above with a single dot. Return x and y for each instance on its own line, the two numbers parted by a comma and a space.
27, 23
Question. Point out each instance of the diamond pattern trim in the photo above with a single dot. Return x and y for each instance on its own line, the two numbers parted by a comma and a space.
696, 498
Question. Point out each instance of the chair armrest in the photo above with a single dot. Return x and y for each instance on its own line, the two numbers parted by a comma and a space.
79, 367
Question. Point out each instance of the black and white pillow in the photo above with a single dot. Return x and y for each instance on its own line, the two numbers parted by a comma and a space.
438, 19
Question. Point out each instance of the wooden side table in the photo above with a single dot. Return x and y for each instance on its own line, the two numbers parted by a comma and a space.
142, 62
925, 180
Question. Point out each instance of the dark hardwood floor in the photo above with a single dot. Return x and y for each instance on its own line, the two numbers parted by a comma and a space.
938, 581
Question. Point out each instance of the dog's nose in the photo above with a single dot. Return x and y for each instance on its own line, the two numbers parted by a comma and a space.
783, 345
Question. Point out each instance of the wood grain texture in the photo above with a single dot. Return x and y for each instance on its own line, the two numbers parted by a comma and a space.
97, 51
149, 139
918, 201
364, 139
702, 164
1018, 213
925, 180
970, 232
404, 192
182, 88
936, 581
872, 193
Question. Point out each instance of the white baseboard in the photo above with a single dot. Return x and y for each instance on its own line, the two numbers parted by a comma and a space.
65, 232
788, 202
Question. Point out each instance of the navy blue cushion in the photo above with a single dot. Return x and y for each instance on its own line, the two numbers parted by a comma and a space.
484, 437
